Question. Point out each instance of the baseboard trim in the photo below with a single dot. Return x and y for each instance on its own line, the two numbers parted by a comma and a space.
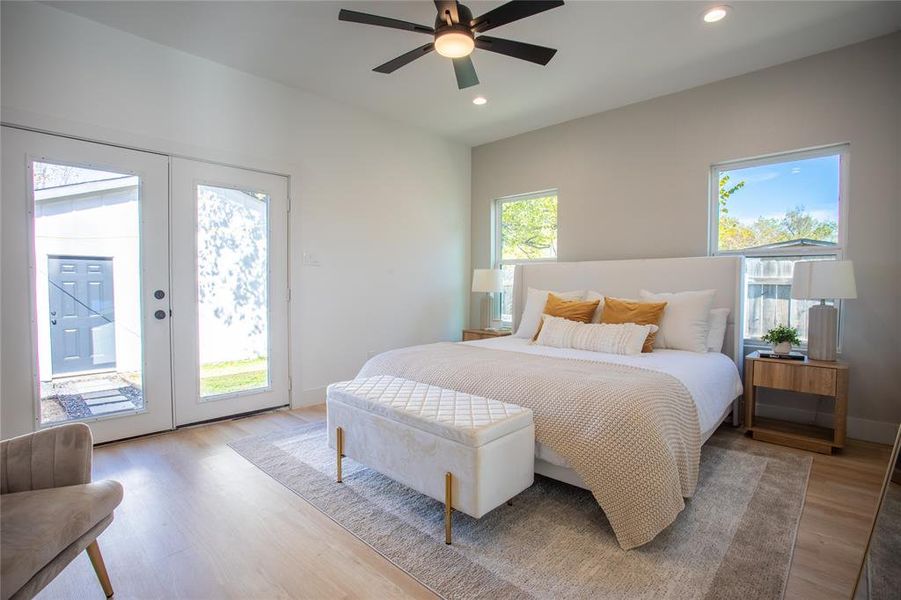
310, 397
869, 430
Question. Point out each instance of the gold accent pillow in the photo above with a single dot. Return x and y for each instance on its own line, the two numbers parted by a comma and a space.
574, 310
617, 310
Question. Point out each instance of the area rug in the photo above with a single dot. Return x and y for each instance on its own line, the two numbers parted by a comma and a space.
733, 540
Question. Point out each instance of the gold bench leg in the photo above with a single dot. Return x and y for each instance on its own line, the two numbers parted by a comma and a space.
100, 568
448, 507
339, 443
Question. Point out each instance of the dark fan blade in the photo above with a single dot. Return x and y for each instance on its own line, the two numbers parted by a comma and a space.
367, 19
450, 6
465, 72
512, 11
393, 65
529, 52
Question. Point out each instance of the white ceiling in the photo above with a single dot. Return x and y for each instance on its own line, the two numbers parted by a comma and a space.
609, 53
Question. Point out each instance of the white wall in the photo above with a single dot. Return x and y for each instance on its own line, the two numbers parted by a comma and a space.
93, 224
383, 207
633, 182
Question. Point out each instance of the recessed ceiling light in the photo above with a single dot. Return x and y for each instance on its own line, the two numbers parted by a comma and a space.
479, 100
717, 13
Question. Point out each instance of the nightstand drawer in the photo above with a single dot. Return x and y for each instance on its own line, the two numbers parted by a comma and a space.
811, 380
483, 334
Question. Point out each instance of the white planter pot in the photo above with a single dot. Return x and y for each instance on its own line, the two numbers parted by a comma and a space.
782, 347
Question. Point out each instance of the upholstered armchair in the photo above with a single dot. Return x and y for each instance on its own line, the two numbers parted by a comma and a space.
49, 509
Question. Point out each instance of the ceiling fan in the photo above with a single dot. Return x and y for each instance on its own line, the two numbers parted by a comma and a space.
455, 35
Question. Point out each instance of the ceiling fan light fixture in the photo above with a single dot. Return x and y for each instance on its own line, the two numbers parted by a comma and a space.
454, 43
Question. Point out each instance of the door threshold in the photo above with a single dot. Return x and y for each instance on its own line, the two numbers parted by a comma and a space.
235, 417
197, 424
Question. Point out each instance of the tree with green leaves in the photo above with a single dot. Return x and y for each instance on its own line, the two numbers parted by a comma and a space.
795, 224
726, 192
529, 228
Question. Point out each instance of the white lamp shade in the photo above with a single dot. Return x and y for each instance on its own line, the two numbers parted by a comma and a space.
487, 280
823, 280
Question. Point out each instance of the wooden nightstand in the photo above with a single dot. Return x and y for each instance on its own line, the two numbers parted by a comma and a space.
482, 334
809, 377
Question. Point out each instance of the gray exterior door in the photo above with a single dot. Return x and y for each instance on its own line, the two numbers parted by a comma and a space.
82, 316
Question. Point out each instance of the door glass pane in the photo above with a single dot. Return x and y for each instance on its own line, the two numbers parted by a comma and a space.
232, 290
88, 291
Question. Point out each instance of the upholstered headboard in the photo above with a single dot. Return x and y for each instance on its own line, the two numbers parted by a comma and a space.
625, 278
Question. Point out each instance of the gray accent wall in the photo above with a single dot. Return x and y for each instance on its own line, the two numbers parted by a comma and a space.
633, 183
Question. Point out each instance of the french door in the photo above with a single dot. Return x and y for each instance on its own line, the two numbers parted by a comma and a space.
139, 292
85, 262
229, 290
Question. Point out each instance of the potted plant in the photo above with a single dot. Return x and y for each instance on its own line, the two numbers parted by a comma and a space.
782, 337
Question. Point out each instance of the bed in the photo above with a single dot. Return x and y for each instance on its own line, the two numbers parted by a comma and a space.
712, 379
628, 428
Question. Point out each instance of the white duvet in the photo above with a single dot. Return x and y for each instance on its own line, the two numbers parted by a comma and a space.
711, 377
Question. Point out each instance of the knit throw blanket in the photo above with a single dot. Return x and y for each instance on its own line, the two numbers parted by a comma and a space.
631, 434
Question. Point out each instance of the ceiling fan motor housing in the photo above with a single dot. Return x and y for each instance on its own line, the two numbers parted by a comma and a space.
464, 14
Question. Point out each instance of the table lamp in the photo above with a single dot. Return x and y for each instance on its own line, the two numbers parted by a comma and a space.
487, 281
823, 280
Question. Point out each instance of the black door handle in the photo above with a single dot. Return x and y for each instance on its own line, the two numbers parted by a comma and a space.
160, 314
53, 321
159, 294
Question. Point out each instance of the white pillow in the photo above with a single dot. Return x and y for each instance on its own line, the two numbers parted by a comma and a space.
685, 322
531, 314
717, 334
591, 296
625, 338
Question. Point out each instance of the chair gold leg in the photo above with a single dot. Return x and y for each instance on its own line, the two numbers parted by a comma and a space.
339, 443
448, 507
100, 568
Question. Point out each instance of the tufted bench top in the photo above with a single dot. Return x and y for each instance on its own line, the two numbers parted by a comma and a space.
464, 418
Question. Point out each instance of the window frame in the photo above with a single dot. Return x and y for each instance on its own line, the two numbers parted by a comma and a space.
838, 251
497, 262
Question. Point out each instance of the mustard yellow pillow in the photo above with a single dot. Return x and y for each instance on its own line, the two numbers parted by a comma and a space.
574, 310
617, 310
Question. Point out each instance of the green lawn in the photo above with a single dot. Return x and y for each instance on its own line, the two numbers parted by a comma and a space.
233, 376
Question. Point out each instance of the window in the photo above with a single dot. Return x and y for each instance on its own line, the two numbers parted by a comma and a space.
776, 211
525, 230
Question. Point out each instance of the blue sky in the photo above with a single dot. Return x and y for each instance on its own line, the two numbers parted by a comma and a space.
771, 190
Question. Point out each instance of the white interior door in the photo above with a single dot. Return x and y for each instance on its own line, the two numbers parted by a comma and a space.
85, 319
230, 290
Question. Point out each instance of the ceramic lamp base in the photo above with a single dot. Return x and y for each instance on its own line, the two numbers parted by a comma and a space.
486, 312
822, 324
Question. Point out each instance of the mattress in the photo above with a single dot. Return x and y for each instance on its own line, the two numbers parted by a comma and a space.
711, 378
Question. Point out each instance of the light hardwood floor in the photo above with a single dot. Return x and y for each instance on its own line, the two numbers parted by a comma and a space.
198, 521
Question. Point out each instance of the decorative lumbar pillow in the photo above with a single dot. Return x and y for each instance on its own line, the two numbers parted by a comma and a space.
625, 338
575, 310
717, 333
592, 295
618, 310
534, 308
686, 322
